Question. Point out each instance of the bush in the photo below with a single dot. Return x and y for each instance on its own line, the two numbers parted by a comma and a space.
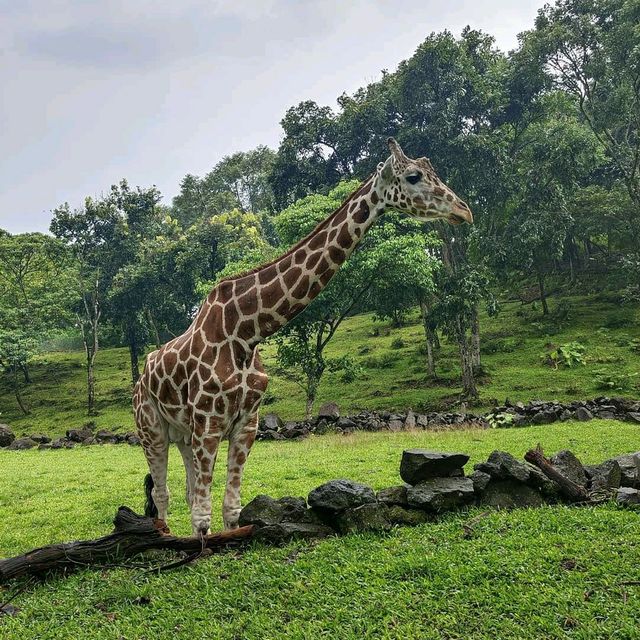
397, 343
567, 355
500, 420
380, 362
615, 381
500, 345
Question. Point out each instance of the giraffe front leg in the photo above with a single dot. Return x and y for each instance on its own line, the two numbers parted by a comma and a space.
207, 433
239, 449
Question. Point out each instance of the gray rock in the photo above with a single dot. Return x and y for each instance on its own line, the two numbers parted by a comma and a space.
583, 414
480, 481
271, 435
329, 411
567, 463
501, 465
393, 495
21, 444
40, 438
285, 531
396, 425
566, 415
264, 510
510, 494
633, 416
420, 464
44, 445
629, 469
628, 496
104, 436
544, 417
399, 515
604, 476
79, 435
132, 439
338, 495
366, 517
410, 420
422, 421
6, 435
346, 424
271, 422
440, 493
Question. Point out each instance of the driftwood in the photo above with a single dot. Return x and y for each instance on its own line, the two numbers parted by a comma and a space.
568, 488
133, 534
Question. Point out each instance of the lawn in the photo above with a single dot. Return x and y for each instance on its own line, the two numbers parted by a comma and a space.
393, 364
554, 572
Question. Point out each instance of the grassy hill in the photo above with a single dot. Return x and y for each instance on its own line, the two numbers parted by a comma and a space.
394, 363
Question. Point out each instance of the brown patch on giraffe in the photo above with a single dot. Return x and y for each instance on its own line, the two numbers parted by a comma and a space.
235, 483
449, 197
296, 309
225, 353
362, 214
241, 458
204, 371
336, 255
315, 289
271, 293
167, 393
213, 328
301, 289
249, 302
239, 354
292, 276
317, 241
438, 191
205, 403
246, 329
284, 264
325, 277
225, 291
340, 217
312, 260
345, 239
323, 265
374, 197
257, 381
365, 189
231, 317
242, 285
333, 234
267, 275
419, 202
219, 405
211, 386
283, 309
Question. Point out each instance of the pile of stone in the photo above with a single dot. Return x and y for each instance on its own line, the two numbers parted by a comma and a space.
86, 435
435, 483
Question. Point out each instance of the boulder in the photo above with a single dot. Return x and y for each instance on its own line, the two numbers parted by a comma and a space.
604, 476
422, 421
567, 463
264, 511
438, 494
40, 438
420, 464
410, 420
393, 495
20, 444
583, 414
399, 515
329, 411
633, 416
346, 424
338, 495
629, 469
79, 435
366, 517
284, 531
132, 439
503, 466
396, 424
270, 422
480, 481
628, 496
544, 417
104, 436
6, 435
510, 494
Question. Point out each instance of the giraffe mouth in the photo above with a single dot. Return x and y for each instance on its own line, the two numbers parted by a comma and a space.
460, 215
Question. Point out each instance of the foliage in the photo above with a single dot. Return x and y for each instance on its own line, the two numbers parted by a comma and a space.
568, 355
500, 420
615, 381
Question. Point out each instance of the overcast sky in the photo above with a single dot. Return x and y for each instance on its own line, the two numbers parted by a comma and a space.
94, 91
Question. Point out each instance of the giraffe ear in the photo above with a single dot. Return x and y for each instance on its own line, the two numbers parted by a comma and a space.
396, 151
385, 169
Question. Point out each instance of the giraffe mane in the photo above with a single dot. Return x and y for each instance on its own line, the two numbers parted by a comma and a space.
300, 242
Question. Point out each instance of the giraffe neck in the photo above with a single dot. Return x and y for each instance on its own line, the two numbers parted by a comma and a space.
269, 297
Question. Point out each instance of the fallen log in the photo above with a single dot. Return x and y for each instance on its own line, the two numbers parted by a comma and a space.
133, 534
568, 488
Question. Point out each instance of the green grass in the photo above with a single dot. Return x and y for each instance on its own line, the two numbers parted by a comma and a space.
512, 579
513, 343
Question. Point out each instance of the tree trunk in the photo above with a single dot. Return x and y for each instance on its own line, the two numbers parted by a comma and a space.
26, 373
133, 352
469, 389
91, 384
429, 335
543, 295
475, 339
154, 328
18, 395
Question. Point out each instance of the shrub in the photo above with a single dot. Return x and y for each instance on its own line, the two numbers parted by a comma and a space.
397, 343
567, 355
500, 420
380, 362
614, 381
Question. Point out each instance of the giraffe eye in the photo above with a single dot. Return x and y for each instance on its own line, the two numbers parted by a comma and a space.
414, 178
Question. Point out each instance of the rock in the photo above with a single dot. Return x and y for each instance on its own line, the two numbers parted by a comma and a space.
393, 496
329, 411
420, 464
132, 439
271, 435
422, 421
606, 475
567, 463
285, 531
6, 435
410, 420
346, 424
503, 466
440, 493
544, 417
338, 495
566, 415
21, 444
628, 496
583, 414
271, 422
396, 425
397, 514
480, 481
629, 469
44, 445
265, 510
325, 426
79, 435
366, 517
105, 436
510, 494
633, 416
40, 438
58, 444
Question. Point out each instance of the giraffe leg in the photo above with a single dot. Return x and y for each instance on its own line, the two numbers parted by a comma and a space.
207, 433
187, 458
155, 444
239, 449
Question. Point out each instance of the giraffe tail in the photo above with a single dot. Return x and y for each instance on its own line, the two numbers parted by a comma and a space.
150, 509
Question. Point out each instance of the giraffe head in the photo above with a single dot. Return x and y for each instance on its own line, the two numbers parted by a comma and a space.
413, 186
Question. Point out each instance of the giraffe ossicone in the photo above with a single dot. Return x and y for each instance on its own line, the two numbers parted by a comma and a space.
207, 384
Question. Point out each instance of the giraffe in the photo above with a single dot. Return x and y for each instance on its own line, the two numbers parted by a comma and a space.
207, 384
